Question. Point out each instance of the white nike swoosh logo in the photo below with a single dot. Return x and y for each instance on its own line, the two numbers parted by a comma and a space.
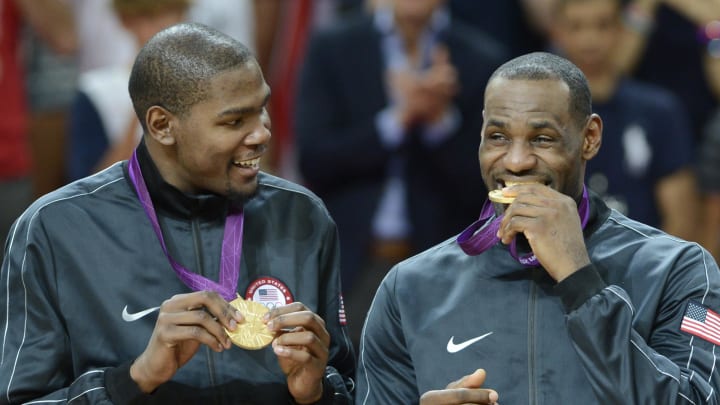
454, 348
128, 317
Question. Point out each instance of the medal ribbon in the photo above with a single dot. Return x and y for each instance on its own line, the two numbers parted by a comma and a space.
481, 235
231, 245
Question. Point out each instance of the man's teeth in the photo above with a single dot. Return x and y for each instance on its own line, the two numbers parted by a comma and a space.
248, 163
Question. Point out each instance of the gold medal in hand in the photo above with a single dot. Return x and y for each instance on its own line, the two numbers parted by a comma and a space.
252, 334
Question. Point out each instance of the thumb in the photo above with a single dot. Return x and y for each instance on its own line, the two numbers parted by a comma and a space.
474, 380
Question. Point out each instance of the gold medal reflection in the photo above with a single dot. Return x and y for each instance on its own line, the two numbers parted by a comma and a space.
252, 334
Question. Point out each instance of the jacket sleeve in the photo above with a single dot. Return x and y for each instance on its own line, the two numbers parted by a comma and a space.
35, 362
661, 365
385, 372
338, 384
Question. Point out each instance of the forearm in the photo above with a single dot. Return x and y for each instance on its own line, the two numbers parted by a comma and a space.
87, 388
340, 369
622, 365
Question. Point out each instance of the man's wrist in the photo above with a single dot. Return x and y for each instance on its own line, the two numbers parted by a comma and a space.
121, 388
311, 399
577, 288
144, 382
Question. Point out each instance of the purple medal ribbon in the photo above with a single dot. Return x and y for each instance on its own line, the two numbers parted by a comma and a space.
482, 234
231, 246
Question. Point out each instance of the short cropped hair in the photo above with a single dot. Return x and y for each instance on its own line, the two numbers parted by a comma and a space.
547, 66
174, 67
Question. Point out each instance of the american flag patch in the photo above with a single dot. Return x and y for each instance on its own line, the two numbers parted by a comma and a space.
701, 322
341, 312
267, 294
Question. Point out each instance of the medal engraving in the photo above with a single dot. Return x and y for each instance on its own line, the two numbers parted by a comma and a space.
252, 334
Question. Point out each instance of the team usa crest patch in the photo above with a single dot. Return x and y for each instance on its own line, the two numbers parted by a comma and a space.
270, 292
702, 322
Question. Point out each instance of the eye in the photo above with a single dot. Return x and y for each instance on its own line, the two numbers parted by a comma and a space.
234, 123
496, 138
543, 140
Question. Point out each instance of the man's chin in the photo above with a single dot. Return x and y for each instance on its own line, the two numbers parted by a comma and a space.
242, 196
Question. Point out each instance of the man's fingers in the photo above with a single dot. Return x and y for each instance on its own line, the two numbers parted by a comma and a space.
209, 301
474, 380
459, 396
300, 344
197, 325
205, 310
289, 317
286, 309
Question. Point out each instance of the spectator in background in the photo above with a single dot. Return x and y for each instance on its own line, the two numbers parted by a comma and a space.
104, 42
709, 180
51, 79
644, 169
709, 165
668, 43
52, 21
512, 22
386, 113
103, 126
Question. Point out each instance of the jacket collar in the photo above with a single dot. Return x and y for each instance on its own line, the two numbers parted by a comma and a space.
599, 213
170, 200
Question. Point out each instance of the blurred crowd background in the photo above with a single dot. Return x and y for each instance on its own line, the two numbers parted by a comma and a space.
377, 105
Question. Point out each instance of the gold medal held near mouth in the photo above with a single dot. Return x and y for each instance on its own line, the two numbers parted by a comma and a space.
498, 197
252, 334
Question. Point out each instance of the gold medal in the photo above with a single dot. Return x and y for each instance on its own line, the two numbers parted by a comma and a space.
252, 334
498, 197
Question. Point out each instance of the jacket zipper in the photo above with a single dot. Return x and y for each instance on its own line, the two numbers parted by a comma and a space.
198, 246
532, 387
200, 270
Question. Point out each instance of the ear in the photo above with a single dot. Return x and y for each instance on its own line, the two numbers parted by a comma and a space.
592, 137
159, 125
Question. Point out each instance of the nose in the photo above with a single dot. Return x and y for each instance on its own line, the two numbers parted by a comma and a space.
519, 158
260, 134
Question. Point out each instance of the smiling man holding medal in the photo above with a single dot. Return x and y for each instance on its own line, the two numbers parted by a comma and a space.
132, 285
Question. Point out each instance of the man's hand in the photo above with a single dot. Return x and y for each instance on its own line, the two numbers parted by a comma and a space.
185, 321
424, 97
550, 222
302, 348
463, 391
439, 85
